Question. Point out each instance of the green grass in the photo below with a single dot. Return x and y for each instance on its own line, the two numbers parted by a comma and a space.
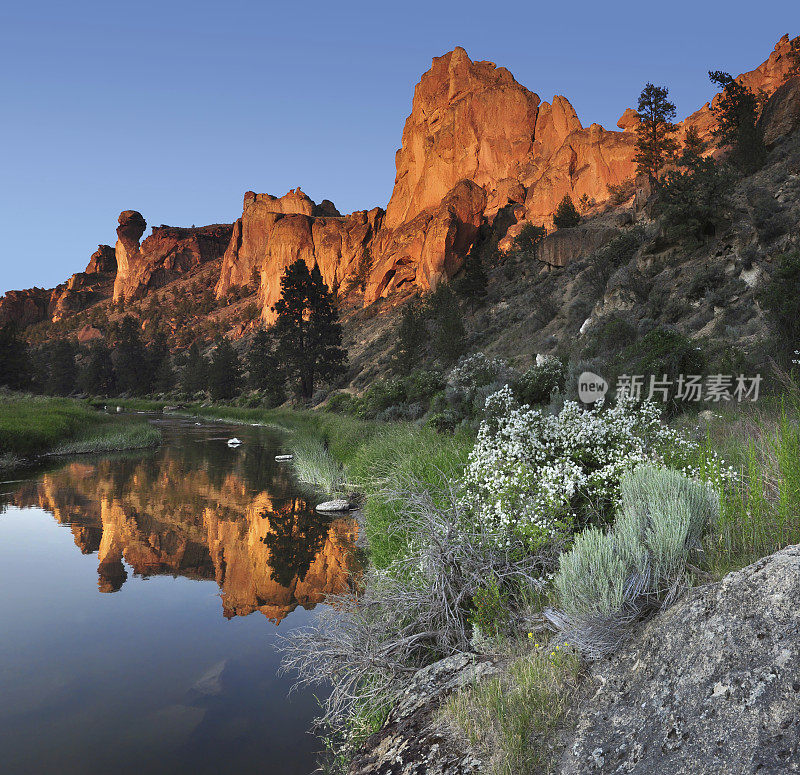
31, 426
760, 511
511, 720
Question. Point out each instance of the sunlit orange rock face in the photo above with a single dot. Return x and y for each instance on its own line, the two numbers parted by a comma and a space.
273, 232
23, 308
266, 554
476, 144
166, 254
767, 77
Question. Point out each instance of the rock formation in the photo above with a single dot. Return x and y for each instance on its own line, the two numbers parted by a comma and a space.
710, 686
767, 78
131, 227
167, 253
24, 308
476, 146
781, 114
411, 742
273, 232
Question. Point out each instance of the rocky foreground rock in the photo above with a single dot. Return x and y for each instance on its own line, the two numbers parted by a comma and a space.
710, 687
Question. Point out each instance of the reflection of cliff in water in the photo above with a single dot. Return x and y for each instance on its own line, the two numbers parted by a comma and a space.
198, 512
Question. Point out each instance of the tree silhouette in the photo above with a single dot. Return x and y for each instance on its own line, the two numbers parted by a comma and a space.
307, 333
655, 141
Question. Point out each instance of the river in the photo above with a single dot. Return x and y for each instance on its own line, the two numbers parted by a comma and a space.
141, 595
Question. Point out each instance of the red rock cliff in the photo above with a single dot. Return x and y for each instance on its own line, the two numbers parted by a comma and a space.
166, 254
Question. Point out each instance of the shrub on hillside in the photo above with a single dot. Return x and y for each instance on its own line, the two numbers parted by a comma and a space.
529, 238
622, 192
540, 381
781, 299
610, 579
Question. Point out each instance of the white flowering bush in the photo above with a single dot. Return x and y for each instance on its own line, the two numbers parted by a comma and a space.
539, 476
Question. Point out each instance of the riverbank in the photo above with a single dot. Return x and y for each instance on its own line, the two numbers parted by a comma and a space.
516, 719
32, 427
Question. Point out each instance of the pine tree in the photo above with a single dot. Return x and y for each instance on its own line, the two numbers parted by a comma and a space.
307, 333
159, 366
264, 368
194, 374
693, 148
736, 111
472, 283
96, 377
412, 336
449, 334
130, 358
566, 215
224, 372
62, 369
15, 364
655, 141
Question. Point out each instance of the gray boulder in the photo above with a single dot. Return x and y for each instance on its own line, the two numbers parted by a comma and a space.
411, 742
711, 686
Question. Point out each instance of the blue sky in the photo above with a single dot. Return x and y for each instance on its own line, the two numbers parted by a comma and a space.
176, 109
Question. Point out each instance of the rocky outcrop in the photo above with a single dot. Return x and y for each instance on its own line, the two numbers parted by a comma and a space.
468, 120
131, 227
561, 247
165, 255
273, 232
477, 145
85, 288
473, 120
767, 77
102, 261
410, 741
781, 114
24, 308
429, 248
710, 686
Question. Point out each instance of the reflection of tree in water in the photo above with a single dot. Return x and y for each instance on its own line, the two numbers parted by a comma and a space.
297, 536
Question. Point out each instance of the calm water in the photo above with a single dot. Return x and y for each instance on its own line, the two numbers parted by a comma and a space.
140, 597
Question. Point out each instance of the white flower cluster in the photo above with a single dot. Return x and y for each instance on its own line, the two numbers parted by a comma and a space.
531, 473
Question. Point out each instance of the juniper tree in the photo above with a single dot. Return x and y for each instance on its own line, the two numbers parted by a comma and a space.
412, 336
693, 148
130, 358
307, 332
265, 372
472, 284
449, 334
224, 371
15, 367
194, 374
97, 373
566, 215
62, 369
736, 110
655, 141
528, 239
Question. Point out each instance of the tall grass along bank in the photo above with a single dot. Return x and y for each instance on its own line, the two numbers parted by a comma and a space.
34, 426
